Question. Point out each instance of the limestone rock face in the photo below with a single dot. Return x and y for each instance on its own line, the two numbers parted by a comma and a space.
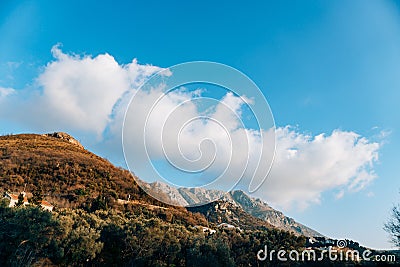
66, 137
253, 206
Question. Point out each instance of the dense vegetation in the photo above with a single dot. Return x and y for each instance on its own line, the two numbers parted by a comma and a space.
393, 226
65, 174
134, 237
90, 227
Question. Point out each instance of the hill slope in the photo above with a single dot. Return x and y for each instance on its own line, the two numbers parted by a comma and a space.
69, 176
262, 210
62, 170
252, 206
93, 224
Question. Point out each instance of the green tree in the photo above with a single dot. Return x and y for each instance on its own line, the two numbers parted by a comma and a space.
114, 237
98, 204
37, 197
20, 201
26, 236
80, 242
4, 202
393, 226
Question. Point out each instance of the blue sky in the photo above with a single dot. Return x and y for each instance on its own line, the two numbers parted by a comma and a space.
322, 65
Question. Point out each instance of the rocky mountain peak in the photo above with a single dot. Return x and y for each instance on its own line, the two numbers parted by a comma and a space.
66, 137
227, 203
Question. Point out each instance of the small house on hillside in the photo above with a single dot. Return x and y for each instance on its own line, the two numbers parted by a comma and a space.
14, 200
46, 205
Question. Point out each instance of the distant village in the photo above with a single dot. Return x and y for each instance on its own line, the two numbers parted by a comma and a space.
15, 198
324, 243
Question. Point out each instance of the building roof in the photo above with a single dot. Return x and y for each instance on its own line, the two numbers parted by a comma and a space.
15, 197
45, 203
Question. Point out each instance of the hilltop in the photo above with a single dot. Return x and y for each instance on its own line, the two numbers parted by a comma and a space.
59, 167
68, 175
93, 223
102, 217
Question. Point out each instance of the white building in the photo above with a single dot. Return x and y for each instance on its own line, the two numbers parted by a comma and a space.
14, 199
46, 205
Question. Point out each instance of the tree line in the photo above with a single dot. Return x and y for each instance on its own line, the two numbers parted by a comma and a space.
134, 237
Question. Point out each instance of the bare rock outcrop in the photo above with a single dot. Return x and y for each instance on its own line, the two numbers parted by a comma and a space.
66, 137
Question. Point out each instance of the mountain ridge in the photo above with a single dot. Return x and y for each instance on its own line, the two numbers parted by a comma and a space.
190, 197
69, 175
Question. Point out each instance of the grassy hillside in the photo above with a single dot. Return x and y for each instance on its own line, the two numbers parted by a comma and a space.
71, 177
89, 227
65, 173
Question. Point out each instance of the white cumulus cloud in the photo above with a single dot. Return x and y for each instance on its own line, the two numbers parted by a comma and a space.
4, 92
306, 166
76, 93
88, 95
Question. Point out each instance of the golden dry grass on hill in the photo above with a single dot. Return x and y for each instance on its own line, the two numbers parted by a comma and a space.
60, 169
69, 176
